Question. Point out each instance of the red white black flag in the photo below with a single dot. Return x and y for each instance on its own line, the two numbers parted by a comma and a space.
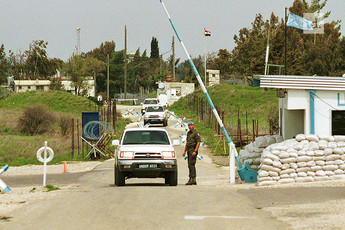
207, 33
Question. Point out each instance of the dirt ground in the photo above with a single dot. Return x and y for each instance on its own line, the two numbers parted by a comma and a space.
314, 211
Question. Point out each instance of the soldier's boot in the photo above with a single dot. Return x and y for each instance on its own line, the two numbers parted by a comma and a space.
193, 181
189, 182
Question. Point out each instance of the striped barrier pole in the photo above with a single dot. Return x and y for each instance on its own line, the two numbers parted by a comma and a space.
233, 151
2, 183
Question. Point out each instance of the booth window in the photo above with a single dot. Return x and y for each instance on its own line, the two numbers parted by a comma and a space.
338, 122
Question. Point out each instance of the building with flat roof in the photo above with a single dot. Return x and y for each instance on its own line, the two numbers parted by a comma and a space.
308, 104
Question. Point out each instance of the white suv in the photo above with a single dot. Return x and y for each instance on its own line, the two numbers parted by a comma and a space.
145, 153
148, 102
156, 114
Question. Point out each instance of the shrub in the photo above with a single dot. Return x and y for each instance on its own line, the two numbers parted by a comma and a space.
64, 123
35, 120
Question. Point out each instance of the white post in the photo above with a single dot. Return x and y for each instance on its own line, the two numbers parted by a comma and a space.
232, 153
45, 164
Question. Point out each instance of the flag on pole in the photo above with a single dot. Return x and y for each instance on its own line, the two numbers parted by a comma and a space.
299, 22
207, 33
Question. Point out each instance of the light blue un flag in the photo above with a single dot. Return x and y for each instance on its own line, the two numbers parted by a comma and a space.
299, 22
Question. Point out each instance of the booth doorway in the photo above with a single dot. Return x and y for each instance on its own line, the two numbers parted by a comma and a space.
338, 122
293, 123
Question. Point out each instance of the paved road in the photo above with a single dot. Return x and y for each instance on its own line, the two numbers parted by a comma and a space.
150, 204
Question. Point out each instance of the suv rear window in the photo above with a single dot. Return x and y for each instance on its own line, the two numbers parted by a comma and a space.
155, 109
150, 102
146, 137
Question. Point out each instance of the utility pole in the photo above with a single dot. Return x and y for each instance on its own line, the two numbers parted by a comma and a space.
108, 77
173, 57
78, 41
125, 87
285, 61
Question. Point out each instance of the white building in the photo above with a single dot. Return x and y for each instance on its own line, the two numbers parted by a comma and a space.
174, 90
31, 85
213, 77
309, 105
89, 85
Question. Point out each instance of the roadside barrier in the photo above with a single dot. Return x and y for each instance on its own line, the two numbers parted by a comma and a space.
2, 183
306, 158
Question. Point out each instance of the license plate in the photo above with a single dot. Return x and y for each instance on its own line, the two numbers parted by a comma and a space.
154, 119
146, 166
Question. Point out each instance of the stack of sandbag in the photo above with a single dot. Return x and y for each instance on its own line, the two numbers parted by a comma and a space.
252, 152
306, 158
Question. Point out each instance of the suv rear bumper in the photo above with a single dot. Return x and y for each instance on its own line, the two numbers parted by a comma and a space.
147, 165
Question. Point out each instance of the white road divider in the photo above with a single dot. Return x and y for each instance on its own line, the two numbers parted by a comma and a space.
44, 159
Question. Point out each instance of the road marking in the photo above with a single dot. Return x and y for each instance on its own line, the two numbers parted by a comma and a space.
220, 217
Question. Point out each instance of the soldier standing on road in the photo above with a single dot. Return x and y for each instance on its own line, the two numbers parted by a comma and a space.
192, 145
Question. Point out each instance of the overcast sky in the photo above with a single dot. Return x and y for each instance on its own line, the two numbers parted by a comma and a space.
55, 21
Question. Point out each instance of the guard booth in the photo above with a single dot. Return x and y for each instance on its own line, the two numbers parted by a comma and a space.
308, 104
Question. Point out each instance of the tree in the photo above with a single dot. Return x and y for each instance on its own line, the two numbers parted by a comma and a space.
154, 48
4, 64
38, 65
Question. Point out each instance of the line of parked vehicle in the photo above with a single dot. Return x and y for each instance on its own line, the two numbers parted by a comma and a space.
147, 152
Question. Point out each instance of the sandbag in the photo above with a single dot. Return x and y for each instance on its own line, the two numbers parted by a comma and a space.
329, 173
310, 173
321, 178
262, 173
339, 162
311, 163
287, 171
339, 138
323, 144
293, 175
300, 137
338, 151
330, 167
270, 168
332, 145
320, 173
332, 157
267, 178
288, 160
319, 153
312, 137
293, 165
328, 151
304, 179
301, 164
265, 183
304, 159
272, 157
341, 144
284, 155
321, 163
273, 174
285, 166
286, 180
326, 138
277, 164
337, 177
305, 169
316, 168
267, 161
302, 174
338, 171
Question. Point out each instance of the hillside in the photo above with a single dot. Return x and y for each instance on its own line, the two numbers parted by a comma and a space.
18, 148
246, 102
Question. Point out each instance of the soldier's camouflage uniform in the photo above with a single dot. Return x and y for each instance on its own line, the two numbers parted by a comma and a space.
193, 137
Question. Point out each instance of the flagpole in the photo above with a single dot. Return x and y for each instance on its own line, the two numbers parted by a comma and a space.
205, 55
